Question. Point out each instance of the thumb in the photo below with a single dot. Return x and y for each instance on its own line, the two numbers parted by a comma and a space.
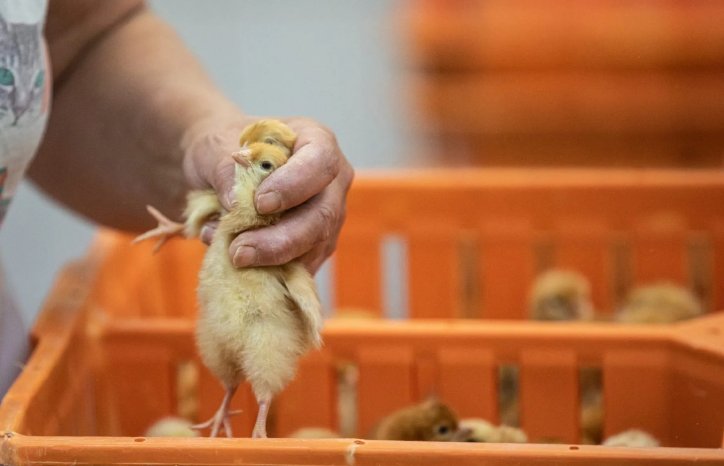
223, 181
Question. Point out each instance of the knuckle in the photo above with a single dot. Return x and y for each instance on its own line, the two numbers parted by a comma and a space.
331, 164
282, 250
328, 221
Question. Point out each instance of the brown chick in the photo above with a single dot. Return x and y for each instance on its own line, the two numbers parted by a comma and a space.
561, 295
254, 323
661, 303
430, 420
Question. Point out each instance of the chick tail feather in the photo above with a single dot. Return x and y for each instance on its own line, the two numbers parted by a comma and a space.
303, 292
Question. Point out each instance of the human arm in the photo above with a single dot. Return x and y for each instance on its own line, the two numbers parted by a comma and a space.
137, 121
129, 100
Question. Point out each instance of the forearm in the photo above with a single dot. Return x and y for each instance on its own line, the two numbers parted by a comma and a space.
121, 117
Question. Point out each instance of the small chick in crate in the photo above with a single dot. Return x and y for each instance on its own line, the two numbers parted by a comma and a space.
254, 323
482, 431
561, 295
430, 420
659, 303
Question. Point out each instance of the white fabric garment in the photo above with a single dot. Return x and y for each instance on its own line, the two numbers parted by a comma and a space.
24, 104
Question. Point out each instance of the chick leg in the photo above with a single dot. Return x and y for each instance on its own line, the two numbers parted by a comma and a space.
221, 417
260, 425
166, 228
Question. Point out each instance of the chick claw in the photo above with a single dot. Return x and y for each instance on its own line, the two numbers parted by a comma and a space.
216, 422
166, 229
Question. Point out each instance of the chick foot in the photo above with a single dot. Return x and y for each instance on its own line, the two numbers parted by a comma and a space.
166, 229
260, 425
221, 417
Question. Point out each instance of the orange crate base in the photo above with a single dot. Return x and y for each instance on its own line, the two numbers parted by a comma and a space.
96, 375
118, 326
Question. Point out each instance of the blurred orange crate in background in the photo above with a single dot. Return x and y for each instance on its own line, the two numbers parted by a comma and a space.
473, 240
117, 329
564, 82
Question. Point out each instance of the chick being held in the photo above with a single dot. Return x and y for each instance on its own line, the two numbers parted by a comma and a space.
430, 420
661, 303
561, 295
254, 323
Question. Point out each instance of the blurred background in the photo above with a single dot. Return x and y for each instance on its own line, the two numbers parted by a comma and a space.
606, 83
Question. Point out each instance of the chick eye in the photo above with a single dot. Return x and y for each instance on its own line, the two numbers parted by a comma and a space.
442, 429
266, 165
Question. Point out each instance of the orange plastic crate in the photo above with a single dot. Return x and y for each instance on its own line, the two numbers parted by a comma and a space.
475, 239
118, 326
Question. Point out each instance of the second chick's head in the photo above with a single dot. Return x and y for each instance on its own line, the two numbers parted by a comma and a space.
272, 132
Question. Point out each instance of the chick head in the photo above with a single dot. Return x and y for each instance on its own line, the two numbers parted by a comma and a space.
561, 295
659, 304
258, 160
272, 132
436, 421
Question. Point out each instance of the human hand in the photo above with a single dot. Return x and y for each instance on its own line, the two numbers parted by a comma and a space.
310, 190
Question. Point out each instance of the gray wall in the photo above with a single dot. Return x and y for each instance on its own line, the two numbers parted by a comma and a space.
334, 61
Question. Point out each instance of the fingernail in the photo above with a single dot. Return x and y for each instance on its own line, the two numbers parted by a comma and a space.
207, 234
231, 200
268, 202
244, 255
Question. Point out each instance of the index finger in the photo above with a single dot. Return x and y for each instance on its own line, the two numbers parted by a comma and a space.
310, 169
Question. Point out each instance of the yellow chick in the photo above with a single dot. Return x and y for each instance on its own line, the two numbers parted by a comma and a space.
561, 295
314, 433
171, 427
254, 323
482, 431
632, 438
661, 303
430, 420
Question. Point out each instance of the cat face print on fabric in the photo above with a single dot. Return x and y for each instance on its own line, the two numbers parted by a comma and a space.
22, 71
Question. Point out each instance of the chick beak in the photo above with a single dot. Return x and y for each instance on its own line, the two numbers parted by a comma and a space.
242, 156
462, 434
